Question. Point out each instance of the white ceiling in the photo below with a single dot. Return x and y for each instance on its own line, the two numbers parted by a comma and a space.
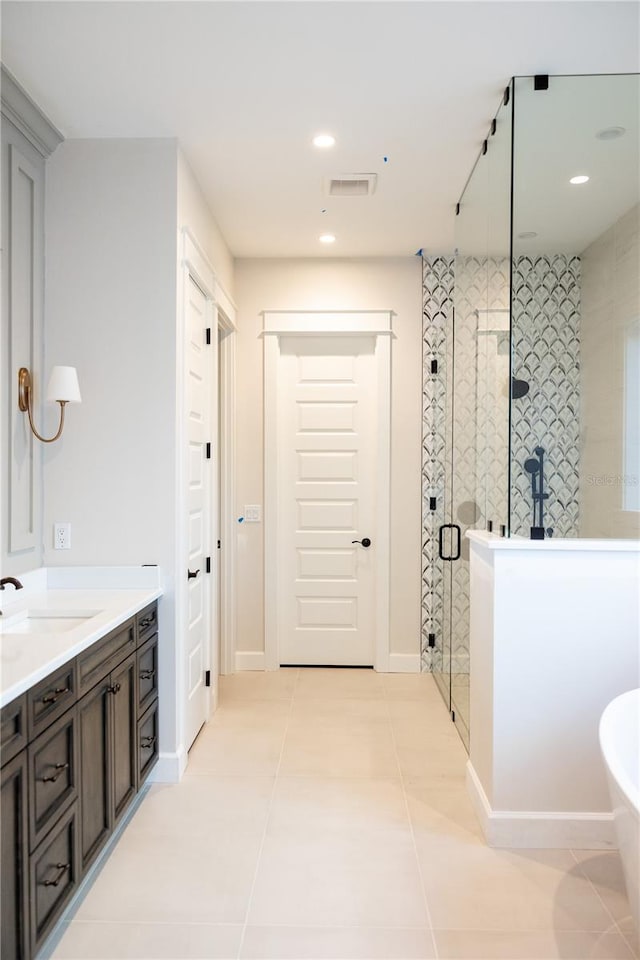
244, 86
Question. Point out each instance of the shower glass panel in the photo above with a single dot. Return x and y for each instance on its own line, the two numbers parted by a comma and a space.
477, 394
575, 307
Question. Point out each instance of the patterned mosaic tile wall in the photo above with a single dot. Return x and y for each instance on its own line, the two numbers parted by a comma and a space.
437, 323
546, 319
546, 353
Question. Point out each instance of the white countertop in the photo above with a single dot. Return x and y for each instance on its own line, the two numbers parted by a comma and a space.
491, 541
28, 658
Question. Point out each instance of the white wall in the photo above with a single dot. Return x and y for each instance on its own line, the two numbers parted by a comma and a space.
610, 303
333, 285
194, 213
110, 310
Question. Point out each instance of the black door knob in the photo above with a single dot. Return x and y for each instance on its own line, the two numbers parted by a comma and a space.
365, 542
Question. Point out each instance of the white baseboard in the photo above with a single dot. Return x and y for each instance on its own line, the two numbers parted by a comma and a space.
404, 663
250, 660
540, 828
170, 767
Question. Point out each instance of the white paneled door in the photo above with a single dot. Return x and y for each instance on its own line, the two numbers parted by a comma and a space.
327, 434
198, 623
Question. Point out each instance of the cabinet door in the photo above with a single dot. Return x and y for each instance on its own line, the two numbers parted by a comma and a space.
95, 774
14, 863
124, 717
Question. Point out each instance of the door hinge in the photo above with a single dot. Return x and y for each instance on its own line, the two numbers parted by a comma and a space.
432, 503
208, 451
208, 336
541, 81
432, 639
434, 366
218, 544
453, 716
207, 678
207, 565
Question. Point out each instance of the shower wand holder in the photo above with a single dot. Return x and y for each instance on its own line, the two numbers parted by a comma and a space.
537, 533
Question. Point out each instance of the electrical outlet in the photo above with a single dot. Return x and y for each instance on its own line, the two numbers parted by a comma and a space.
252, 513
62, 536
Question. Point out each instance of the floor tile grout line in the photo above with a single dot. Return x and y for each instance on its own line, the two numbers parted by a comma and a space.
413, 835
616, 924
267, 819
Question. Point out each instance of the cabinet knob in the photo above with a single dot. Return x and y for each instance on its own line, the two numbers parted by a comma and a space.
114, 688
147, 742
147, 674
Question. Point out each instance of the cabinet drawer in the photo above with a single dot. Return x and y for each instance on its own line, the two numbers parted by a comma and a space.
50, 698
147, 743
147, 674
147, 622
53, 774
13, 728
96, 662
53, 875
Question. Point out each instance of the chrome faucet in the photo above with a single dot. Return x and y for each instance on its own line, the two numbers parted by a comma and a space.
12, 580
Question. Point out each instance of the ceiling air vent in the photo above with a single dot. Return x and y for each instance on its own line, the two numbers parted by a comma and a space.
351, 185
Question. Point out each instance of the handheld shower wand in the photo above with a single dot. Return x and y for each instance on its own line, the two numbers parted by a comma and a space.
535, 467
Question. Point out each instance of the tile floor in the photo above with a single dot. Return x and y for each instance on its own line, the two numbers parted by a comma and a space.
324, 815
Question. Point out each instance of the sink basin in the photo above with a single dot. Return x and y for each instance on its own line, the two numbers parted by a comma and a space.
45, 621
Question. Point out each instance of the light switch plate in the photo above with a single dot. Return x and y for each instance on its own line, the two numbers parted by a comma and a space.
252, 513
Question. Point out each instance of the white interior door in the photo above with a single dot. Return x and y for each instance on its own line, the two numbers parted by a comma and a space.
198, 626
327, 413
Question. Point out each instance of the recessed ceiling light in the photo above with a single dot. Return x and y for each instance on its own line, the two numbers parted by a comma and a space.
610, 133
581, 178
527, 235
324, 140
327, 238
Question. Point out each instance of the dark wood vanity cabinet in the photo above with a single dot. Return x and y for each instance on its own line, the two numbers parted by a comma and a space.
107, 721
14, 871
76, 748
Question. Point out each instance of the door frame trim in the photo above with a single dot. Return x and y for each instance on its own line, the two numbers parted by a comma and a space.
352, 323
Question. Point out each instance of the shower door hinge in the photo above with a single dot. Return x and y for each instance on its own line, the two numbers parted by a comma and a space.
207, 678
207, 565
541, 81
505, 99
208, 451
485, 147
432, 639
494, 125
434, 366
457, 209
208, 335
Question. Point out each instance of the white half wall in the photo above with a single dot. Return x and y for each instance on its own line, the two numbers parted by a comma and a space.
554, 638
325, 284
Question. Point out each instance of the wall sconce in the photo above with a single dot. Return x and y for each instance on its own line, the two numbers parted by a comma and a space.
63, 388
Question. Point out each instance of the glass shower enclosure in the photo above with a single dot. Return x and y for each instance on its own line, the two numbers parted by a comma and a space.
542, 352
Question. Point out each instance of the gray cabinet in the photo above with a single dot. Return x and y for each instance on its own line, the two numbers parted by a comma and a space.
14, 902
76, 748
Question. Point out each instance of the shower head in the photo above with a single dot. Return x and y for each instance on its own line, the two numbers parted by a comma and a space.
519, 388
532, 465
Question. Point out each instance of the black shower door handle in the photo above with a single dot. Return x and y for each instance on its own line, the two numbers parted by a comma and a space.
449, 526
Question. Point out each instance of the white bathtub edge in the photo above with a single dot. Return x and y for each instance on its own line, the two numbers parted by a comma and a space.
521, 829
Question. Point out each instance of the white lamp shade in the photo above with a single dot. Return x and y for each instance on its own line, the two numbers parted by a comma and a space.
63, 385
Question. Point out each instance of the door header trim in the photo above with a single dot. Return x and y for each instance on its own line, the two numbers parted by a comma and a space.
318, 322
